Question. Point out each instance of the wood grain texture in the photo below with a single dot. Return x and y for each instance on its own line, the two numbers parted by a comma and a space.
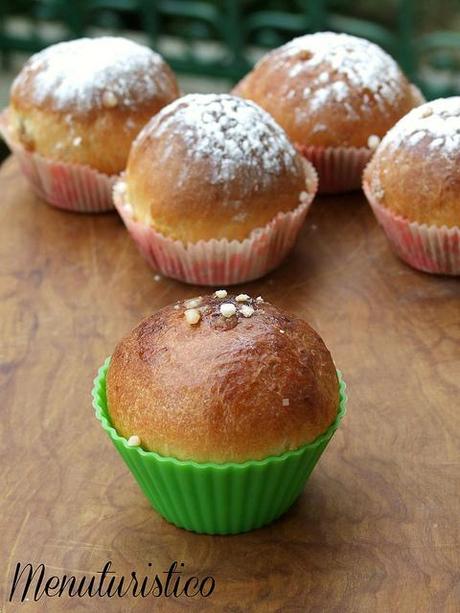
377, 528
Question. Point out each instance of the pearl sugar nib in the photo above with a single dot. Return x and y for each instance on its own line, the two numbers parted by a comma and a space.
373, 141
426, 112
109, 100
227, 309
247, 310
304, 197
192, 316
220, 293
193, 303
134, 441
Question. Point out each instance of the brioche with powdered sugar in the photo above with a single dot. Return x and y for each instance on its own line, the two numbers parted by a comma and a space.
84, 101
213, 167
415, 172
331, 90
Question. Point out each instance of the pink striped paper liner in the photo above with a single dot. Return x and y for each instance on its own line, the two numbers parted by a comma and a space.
434, 249
217, 262
340, 169
73, 187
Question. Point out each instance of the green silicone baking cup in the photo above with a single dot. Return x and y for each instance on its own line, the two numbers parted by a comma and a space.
215, 498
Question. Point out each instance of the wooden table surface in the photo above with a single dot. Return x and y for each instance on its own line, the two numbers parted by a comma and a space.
377, 527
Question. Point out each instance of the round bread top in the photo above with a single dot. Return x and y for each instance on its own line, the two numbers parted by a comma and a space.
222, 379
415, 171
87, 74
329, 89
213, 166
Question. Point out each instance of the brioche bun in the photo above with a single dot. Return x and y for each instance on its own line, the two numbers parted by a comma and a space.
222, 379
84, 101
211, 167
415, 172
330, 90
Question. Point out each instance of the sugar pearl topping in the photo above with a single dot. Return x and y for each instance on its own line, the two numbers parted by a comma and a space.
373, 141
242, 298
193, 303
220, 310
109, 99
227, 309
435, 124
134, 441
105, 72
247, 310
192, 316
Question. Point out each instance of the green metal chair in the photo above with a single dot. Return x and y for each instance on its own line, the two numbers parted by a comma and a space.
237, 25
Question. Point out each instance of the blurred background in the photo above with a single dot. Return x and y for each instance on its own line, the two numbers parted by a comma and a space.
212, 43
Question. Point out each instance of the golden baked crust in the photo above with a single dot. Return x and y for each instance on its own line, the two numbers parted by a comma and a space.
415, 171
86, 100
330, 90
224, 389
213, 166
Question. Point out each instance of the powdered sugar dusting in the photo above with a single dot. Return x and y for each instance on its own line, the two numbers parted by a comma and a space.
350, 64
103, 72
435, 123
235, 135
337, 91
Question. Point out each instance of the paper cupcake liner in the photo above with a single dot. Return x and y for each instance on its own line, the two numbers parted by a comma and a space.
433, 249
217, 262
340, 169
214, 498
73, 187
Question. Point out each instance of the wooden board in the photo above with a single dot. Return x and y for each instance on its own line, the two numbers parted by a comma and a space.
377, 528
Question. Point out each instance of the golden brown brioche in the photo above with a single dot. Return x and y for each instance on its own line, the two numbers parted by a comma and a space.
225, 388
84, 101
213, 166
330, 90
415, 171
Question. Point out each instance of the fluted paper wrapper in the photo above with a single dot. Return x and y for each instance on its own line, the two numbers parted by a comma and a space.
217, 262
339, 169
433, 249
217, 498
73, 187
